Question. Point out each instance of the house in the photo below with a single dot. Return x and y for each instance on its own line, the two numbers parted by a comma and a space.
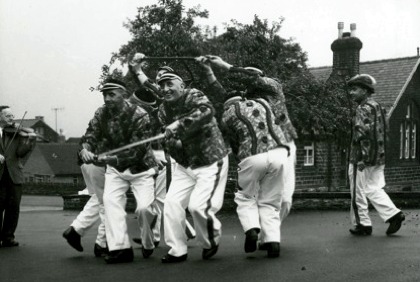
44, 131
53, 163
74, 140
397, 90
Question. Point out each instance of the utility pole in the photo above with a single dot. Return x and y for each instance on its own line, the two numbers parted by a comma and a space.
56, 110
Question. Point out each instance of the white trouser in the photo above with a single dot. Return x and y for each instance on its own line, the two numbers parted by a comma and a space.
289, 182
202, 191
160, 194
261, 184
369, 185
93, 210
116, 185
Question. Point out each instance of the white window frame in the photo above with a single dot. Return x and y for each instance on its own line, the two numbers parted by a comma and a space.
413, 147
407, 141
401, 140
309, 155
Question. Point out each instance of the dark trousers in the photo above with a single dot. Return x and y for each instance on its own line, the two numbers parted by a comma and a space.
10, 196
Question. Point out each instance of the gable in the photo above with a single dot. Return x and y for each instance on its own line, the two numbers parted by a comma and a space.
37, 164
62, 158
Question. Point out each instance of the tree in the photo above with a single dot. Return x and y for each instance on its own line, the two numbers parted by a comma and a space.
318, 109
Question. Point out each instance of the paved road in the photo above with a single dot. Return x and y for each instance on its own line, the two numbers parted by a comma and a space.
316, 246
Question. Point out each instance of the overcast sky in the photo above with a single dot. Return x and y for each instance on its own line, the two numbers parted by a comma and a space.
51, 51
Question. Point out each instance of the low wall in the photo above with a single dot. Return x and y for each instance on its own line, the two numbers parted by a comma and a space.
301, 201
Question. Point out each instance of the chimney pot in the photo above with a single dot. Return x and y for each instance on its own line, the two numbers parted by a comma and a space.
353, 30
39, 118
340, 29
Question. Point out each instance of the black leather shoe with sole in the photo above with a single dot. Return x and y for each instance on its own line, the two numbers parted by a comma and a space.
73, 238
251, 240
100, 251
395, 223
146, 252
208, 253
10, 243
361, 230
173, 259
120, 256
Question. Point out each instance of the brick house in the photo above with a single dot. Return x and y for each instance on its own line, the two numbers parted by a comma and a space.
397, 90
53, 163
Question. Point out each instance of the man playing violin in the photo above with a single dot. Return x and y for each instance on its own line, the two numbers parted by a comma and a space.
15, 146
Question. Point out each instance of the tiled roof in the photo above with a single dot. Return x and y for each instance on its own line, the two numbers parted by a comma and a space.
74, 140
29, 122
61, 157
391, 76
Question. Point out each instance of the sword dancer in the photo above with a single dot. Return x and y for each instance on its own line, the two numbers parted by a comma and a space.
114, 125
198, 181
266, 155
149, 97
367, 161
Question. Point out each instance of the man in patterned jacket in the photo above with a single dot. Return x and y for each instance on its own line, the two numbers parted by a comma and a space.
266, 154
198, 182
367, 160
116, 124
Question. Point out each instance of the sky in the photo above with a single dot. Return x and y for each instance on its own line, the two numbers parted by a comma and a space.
51, 51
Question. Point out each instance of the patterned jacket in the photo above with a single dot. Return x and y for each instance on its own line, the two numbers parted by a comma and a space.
152, 110
369, 134
251, 127
107, 131
271, 90
201, 142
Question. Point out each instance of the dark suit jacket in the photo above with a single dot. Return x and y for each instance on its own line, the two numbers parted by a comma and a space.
16, 155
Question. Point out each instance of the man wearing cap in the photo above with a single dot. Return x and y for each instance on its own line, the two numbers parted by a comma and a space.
114, 125
367, 160
198, 182
149, 97
266, 158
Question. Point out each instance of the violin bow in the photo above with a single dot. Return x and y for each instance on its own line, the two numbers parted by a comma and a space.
14, 135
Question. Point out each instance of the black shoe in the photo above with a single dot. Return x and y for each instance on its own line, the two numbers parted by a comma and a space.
99, 251
251, 240
361, 230
262, 246
10, 243
171, 259
120, 256
208, 253
273, 249
73, 238
146, 252
395, 223
137, 240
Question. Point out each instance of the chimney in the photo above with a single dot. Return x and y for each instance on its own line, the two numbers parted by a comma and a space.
346, 51
340, 29
353, 30
41, 118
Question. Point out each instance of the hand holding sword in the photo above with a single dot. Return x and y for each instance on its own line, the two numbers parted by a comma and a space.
108, 157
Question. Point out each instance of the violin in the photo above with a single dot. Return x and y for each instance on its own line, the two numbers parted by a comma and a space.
15, 129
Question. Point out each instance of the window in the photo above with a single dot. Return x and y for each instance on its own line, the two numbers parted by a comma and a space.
408, 136
309, 155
